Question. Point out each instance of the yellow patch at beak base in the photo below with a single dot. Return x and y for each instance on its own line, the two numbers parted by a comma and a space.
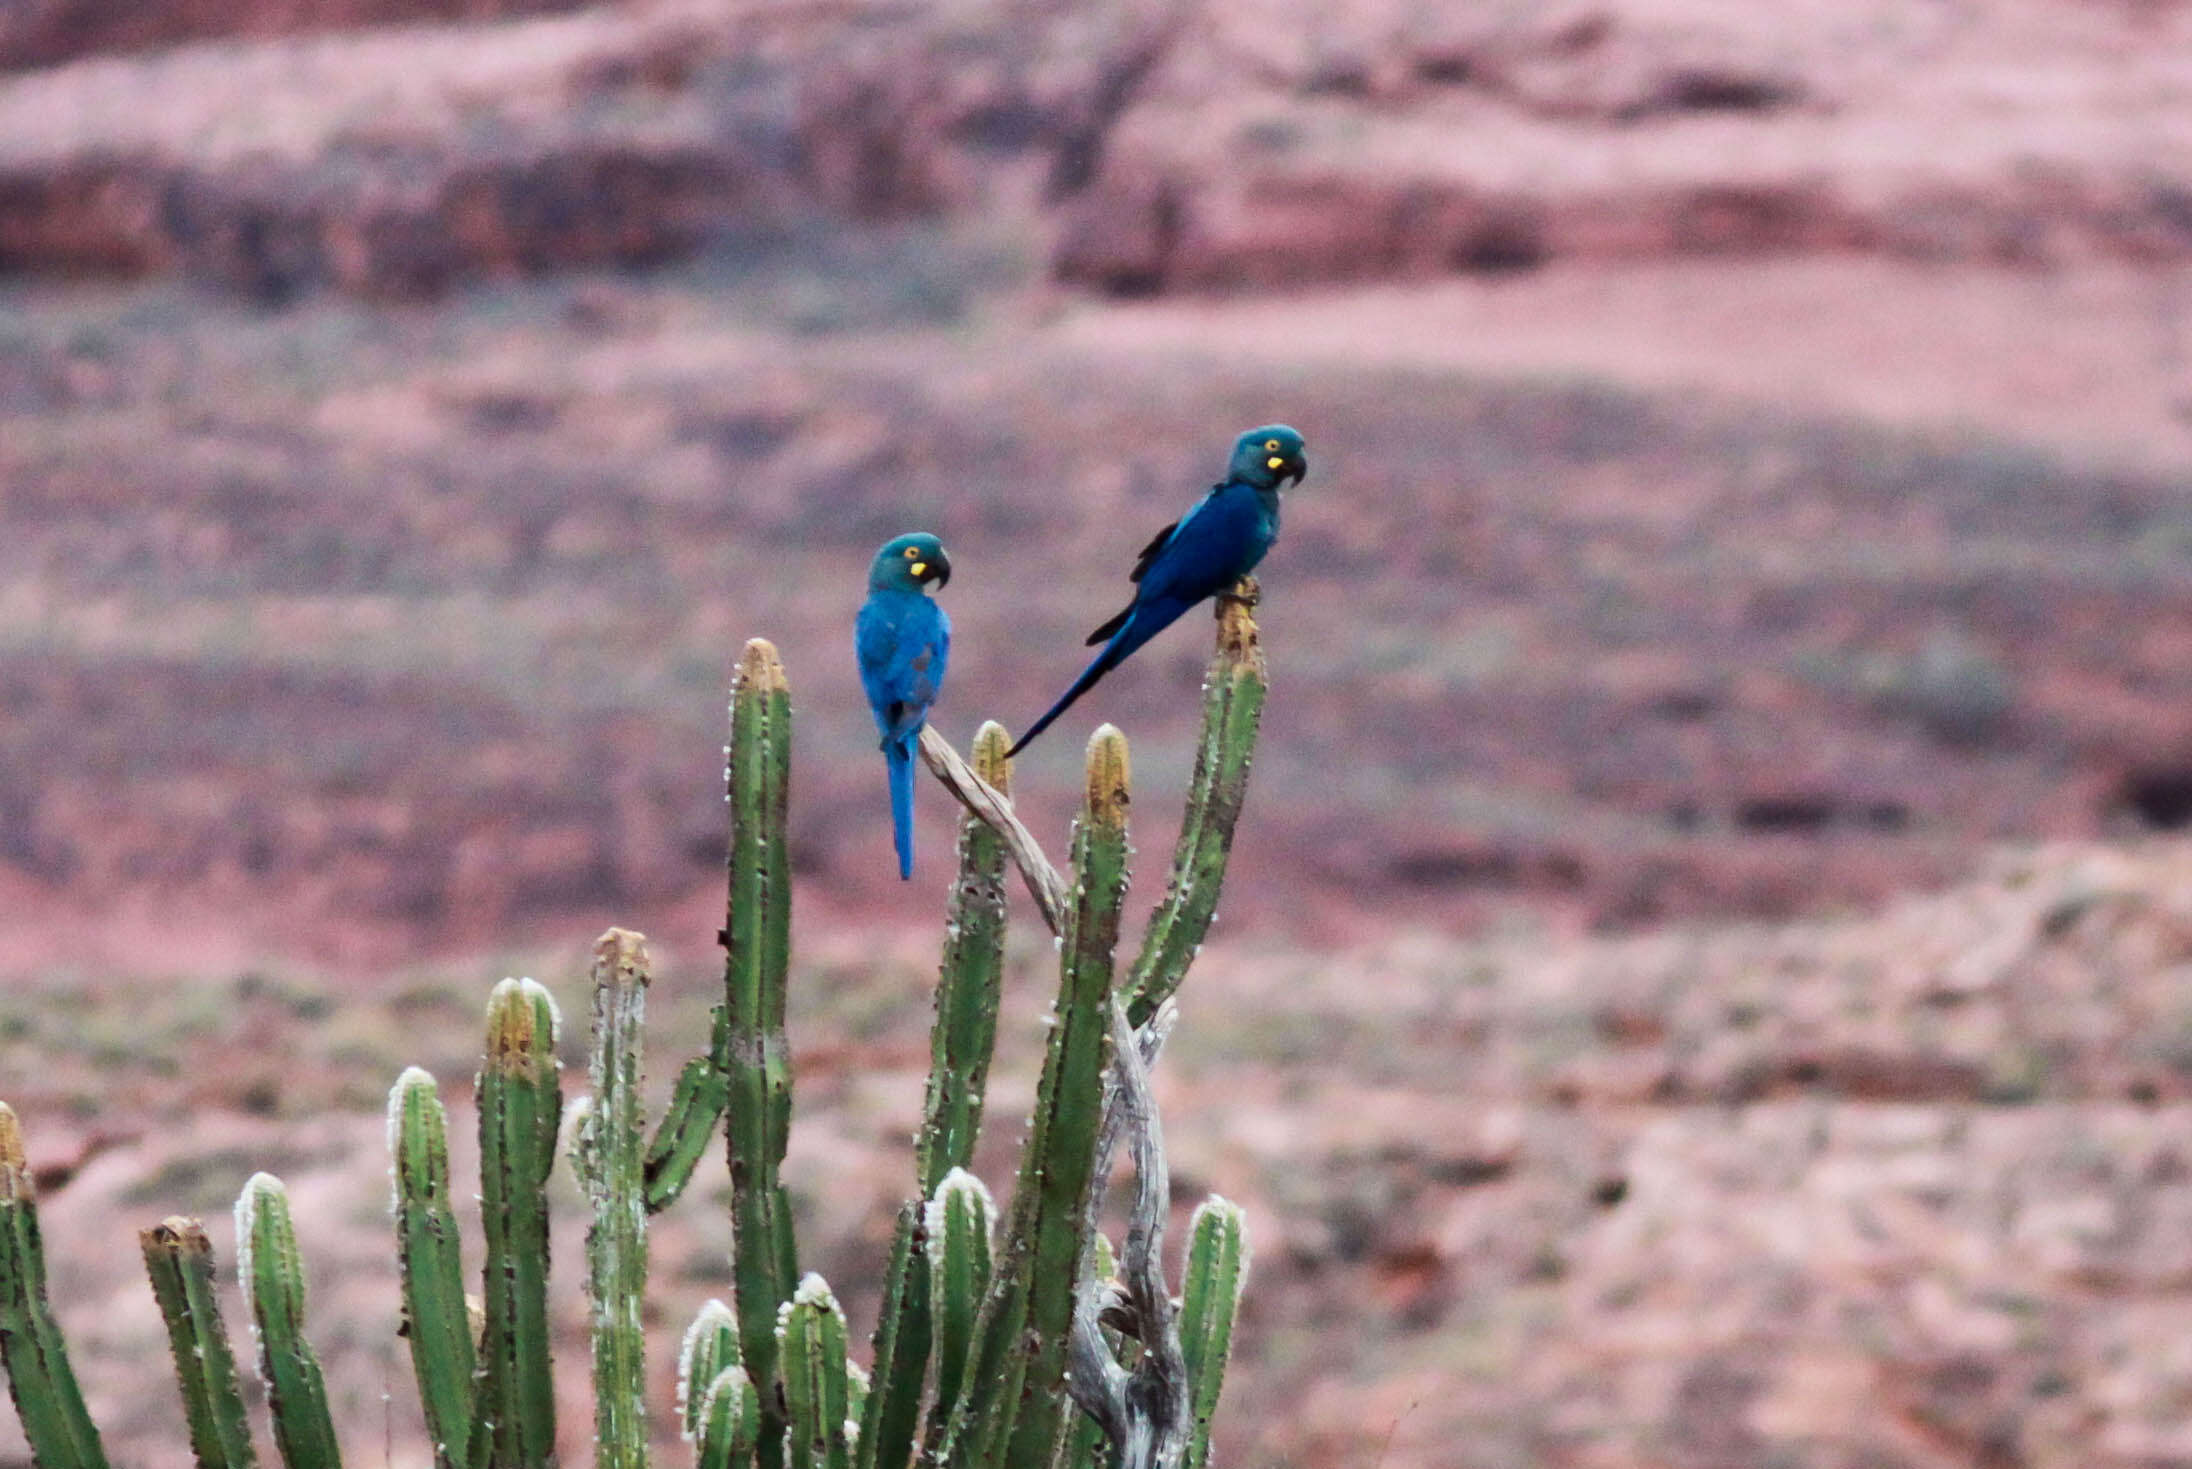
1274, 462
918, 568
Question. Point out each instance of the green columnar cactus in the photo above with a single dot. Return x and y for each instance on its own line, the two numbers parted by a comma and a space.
1217, 1269
1002, 1321
959, 1228
429, 1258
272, 1272
521, 1107
729, 1418
757, 954
179, 1258
616, 1246
1011, 1413
817, 1395
1233, 697
47, 1400
710, 1346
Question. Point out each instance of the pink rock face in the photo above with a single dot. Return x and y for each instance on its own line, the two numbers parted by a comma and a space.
39, 33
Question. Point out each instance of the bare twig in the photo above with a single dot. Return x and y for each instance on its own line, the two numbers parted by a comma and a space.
1156, 1392
983, 799
1144, 1412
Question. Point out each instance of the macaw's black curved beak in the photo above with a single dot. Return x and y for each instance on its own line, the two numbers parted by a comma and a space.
939, 570
1297, 471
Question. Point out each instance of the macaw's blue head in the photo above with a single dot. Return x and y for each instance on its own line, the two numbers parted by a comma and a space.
909, 563
1269, 457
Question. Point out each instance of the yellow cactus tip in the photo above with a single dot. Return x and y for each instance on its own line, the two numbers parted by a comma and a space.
760, 669
521, 1026
1237, 638
12, 1152
624, 952
177, 1234
991, 742
1109, 774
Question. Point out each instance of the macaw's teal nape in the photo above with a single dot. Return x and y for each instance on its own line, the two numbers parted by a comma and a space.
1199, 555
904, 640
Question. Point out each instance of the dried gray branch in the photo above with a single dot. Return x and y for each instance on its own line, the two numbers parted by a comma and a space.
1144, 1412
984, 800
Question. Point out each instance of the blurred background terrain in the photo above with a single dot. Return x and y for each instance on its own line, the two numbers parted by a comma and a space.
1703, 979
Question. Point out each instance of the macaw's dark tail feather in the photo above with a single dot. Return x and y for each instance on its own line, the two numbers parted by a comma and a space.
899, 755
1098, 666
1111, 628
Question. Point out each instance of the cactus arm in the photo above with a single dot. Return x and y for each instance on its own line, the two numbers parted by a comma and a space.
521, 1107
1233, 698
728, 1417
901, 1345
696, 1107
47, 1400
710, 1346
759, 1071
179, 1260
616, 1245
817, 1392
430, 1261
970, 980
961, 1221
272, 1273
1012, 1412
1217, 1269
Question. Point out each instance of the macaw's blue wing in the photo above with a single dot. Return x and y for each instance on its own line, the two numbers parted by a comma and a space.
903, 640
1203, 553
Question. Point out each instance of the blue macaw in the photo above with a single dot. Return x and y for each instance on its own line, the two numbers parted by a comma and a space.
1197, 556
904, 640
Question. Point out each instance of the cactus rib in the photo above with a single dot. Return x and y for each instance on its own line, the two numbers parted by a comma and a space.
901, 1350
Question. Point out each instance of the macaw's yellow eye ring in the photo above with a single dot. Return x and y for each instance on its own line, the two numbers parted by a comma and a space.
1271, 446
912, 552
1274, 462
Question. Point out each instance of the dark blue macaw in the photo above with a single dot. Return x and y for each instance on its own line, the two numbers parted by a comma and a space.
1197, 556
904, 640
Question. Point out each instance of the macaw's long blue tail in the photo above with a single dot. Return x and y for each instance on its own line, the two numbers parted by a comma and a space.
898, 753
1102, 664
1142, 622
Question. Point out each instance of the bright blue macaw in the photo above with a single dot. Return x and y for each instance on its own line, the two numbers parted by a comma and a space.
1199, 555
904, 640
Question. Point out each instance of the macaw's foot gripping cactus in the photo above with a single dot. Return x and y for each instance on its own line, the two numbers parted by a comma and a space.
1038, 1348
